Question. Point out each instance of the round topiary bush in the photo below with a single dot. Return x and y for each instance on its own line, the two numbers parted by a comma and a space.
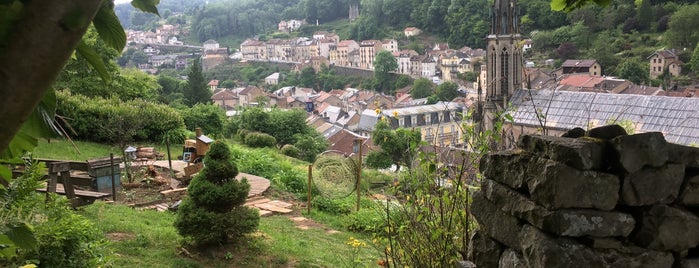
213, 211
291, 151
259, 140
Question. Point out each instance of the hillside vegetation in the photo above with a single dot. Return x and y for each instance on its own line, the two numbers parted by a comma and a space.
613, 34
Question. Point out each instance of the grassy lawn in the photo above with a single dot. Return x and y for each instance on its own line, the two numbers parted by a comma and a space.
148, 239
64, 150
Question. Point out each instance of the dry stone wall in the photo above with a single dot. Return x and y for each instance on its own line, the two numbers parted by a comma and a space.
604, 200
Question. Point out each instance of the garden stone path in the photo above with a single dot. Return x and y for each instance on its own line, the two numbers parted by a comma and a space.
258, 185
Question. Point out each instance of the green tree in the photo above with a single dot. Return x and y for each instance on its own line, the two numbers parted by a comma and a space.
402, 81
310, 144
603, 52
253, 119
196, 90
383, 65
644, 16
399, 144
378, 160
215, 201
683, 28
283, 125
209, 117
422, 88
307, 77
634, 71
29, 65
447, 91
172, 88
694, 62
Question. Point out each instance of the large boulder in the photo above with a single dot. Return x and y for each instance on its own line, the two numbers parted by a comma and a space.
561, 186
690, 193
508, 167
639, 150
632, 257
511, 259
541, 250
483, 251
498, 225
581, 153
565, 222
607, 132
667, 228
649, 186
687, 155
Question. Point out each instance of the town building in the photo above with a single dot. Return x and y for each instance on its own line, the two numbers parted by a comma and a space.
664, 59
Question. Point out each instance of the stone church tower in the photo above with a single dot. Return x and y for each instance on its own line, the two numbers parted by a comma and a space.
503, 59
353, 10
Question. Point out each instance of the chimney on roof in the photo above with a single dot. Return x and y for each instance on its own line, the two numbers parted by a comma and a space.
197, 131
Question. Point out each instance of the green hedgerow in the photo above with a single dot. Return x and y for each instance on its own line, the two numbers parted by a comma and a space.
259, 140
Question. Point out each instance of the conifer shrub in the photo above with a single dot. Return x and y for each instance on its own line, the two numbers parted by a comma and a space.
213, 211
260, 140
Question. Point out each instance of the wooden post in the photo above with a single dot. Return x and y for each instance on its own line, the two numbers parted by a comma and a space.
64, 169
169, 159
359, 174
51, 184
68, 184
111, 163
310, 181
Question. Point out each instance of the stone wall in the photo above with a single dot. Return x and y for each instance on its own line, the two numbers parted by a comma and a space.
352, 71
603, 200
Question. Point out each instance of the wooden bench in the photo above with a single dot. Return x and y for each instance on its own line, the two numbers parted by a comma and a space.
86, 197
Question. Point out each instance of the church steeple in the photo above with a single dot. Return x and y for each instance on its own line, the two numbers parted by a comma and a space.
504, 18
504, 53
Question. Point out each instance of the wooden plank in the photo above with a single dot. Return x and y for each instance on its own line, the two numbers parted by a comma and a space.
74, 165
173, 191
78, 193
102, 162
57, 167
192, 169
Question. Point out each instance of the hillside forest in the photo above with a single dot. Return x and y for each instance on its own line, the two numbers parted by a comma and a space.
625, 30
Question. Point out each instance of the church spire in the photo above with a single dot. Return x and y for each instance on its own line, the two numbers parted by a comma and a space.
503, 17
504, 53
503, 60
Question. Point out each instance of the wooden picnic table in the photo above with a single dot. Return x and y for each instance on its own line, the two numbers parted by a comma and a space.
86, 197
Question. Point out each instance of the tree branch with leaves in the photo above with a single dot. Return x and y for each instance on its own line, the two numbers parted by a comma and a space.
37, 38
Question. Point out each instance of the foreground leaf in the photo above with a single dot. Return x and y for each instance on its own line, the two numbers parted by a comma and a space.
108, 26
94, 59
21, 235
146, 5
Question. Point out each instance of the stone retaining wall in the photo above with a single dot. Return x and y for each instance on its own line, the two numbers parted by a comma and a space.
604, 200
